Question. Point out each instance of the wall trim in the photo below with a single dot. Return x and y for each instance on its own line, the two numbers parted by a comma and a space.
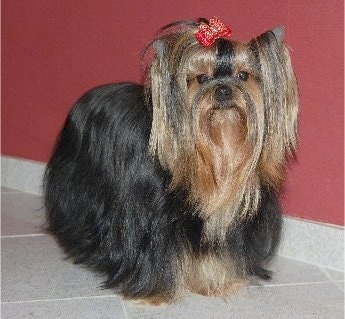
313, 242
307, 241
22, 174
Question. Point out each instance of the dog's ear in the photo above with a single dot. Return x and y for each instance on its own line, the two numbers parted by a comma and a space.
160, 91
272, 60
159, 47
278, 33
275, 34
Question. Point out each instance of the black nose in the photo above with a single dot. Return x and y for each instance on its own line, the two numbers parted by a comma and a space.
223, 93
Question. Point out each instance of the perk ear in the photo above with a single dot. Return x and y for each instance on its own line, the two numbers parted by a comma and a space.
159, 47
278, 33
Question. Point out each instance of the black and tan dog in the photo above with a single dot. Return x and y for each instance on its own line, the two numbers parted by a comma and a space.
174, 184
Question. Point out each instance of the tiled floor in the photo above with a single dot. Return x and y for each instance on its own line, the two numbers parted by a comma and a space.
38, 283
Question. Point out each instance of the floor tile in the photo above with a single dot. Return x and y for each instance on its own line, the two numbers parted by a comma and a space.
333, 274
94, 308
34, 268
311, 301
37, 282
290, 271
21, 214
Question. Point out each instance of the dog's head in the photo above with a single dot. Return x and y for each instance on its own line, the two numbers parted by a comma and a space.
224, 113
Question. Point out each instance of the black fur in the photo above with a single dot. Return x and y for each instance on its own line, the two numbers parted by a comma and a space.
225, 53
107, 201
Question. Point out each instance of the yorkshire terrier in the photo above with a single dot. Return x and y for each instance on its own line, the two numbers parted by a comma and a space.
174, 185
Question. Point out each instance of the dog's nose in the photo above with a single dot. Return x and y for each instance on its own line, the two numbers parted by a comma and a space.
223, 93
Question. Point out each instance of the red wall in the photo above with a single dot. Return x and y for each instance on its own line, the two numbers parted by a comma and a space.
55, 50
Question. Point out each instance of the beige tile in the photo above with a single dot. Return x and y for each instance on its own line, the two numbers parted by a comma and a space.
37, 282
34, 268
311, 301
21, 214
285, 270
89, 308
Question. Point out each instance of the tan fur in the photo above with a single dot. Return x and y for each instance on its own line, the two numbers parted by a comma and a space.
222, 156
209, 275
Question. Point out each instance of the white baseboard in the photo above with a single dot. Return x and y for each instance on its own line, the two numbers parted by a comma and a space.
307, 241
21, 174
312, 242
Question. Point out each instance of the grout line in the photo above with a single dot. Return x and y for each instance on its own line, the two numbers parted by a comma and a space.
59, 299
297, 284
336, 282
326, 273
311, 263
21, 236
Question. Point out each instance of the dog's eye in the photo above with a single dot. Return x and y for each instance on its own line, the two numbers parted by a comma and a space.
243, 75
202, 78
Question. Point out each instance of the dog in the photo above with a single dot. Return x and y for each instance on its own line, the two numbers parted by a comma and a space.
173, 185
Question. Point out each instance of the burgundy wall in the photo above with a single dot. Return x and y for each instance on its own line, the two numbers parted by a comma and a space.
52, 51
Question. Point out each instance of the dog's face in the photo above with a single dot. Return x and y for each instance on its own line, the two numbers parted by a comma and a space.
224, 116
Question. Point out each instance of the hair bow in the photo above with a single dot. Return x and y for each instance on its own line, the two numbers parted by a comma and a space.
209, 32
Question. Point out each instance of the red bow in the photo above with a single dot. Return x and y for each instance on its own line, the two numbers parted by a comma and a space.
208, 33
